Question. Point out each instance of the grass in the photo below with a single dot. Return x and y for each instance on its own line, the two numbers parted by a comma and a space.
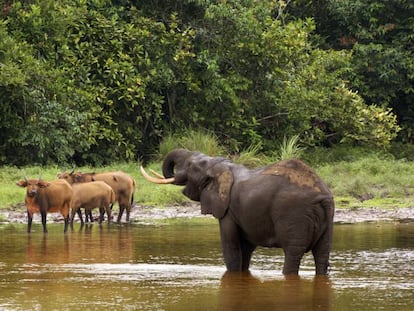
145, 192
371, 181
290, 148
367, 182
197, 140
357, 177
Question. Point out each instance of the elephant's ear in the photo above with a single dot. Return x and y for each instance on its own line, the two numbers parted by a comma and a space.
215, 197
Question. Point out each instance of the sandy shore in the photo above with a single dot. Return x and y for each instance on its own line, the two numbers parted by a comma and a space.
144, 214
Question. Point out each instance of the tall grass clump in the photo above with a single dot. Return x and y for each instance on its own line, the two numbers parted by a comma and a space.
196, 140
289, 148
252, 157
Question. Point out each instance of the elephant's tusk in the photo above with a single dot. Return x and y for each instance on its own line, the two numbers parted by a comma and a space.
157, 180
157, 174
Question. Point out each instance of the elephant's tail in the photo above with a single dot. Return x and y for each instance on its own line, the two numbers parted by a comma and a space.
328, 205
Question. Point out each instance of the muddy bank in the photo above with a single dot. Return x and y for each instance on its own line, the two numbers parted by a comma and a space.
144, 214
341, 215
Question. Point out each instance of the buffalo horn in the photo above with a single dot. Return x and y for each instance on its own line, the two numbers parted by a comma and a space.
157, 180
73, 170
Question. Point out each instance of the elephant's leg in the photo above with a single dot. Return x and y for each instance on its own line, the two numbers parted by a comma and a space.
247, 249
297, 234
230, 243
321, 253
293, 256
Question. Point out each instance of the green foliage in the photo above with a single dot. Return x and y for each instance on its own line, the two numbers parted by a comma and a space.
402, 151
322, 110
342, 153
129, 59
46, 119
197, 140
290, 148
252, 157
379, 36
102, 81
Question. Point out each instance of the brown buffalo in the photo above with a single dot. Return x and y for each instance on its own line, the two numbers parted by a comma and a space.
90, 195
122, 184
46, 197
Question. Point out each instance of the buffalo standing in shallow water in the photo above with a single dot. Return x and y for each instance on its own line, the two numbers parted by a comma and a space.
91, 195
46, 197
122, 184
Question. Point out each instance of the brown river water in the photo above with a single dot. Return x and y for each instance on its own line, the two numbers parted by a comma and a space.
178, 265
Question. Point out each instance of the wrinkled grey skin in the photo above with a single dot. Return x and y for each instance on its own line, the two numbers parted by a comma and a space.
284, 205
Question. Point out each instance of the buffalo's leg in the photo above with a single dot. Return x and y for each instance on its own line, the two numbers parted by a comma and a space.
72, 216
88, 213
101, 214
66, 224
128, 212
65, 211
108, 213
121, 212
43, 215
29, 221
79, 212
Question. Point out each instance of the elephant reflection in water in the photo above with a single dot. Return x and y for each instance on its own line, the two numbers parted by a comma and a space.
243, 291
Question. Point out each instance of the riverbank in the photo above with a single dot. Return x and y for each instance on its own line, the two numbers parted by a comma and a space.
146, 214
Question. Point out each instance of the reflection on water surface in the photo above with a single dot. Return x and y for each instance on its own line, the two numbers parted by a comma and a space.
179, 267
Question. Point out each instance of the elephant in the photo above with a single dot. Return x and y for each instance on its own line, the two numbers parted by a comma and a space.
283, 205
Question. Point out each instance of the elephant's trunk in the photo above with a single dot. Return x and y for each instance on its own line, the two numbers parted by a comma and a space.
175, 158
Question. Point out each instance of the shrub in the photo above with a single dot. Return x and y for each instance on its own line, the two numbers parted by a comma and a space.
191, 139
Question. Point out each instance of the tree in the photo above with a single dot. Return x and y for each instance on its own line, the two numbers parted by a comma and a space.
98, 81
379, 36
45, 118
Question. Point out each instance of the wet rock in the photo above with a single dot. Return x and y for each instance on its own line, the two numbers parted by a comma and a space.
357, 215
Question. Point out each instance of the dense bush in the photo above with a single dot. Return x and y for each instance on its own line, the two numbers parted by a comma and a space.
378, 35
96, 81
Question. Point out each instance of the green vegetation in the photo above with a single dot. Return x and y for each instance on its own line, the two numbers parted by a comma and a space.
94, 82
201, 140
361, 178
107, 84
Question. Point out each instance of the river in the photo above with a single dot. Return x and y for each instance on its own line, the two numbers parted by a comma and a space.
178, 265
